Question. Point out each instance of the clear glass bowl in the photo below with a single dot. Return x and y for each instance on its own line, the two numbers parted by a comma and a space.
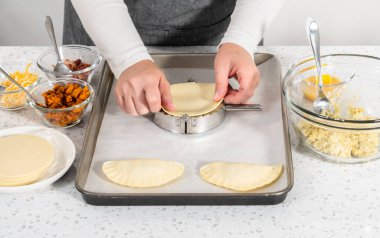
16, 99
65, 117
88, 55
352, 134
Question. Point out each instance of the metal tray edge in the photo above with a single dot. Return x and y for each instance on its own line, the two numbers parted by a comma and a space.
104, 88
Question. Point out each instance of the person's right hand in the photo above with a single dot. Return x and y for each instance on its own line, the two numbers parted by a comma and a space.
143, 88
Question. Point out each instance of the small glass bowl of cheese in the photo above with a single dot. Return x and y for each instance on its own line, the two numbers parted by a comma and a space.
27, 74
350, 134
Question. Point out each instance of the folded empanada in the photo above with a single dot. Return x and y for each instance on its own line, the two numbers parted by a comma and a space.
240, 176
142, 173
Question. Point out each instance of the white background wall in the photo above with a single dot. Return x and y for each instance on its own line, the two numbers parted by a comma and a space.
342, 22
22, 21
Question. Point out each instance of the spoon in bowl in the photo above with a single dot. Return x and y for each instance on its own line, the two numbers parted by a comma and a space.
60, 68
321, 103
18, 85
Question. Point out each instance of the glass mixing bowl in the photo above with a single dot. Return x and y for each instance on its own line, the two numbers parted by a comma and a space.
352, 133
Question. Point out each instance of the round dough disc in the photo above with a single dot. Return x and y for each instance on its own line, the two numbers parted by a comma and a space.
193, 99
23, 159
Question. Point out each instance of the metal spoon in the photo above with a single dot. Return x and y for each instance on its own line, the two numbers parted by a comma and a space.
321, 103
60, 68
18, 85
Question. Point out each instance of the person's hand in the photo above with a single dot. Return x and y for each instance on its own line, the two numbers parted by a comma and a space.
143, 88
233, 60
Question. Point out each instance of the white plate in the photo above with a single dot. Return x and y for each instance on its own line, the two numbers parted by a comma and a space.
64, 156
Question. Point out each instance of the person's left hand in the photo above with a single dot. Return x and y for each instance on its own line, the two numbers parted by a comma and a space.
233, 60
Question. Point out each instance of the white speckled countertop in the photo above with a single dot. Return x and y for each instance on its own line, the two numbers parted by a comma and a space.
327, 200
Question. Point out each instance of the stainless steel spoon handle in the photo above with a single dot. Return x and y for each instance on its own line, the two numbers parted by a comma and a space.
15, 82
50, 29
243, 107
315, 45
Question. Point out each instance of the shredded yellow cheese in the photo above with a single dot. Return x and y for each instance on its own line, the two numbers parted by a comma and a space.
17, 99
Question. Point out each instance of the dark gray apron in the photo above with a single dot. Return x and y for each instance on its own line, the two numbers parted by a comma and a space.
165, 22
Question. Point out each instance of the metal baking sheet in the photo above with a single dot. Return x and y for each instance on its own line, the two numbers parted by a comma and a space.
255, 137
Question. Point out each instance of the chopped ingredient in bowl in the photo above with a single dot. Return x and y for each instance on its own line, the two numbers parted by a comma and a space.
65, 96
342, 143
17, 99
76, 65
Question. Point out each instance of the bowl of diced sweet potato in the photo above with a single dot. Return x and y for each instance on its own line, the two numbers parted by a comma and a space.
63, 102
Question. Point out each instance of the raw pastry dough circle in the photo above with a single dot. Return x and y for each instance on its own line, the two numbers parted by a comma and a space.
193, 99
240, 176
142, 173
24, 159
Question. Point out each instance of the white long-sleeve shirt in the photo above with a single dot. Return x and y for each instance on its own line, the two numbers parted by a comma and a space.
113, 32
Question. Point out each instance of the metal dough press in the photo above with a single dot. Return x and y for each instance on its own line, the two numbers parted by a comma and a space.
198, 124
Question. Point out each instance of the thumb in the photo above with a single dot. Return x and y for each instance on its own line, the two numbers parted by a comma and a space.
166, 97
221, 81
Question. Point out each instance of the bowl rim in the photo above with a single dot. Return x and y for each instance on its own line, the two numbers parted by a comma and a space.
62, 80
93, 50
296, 107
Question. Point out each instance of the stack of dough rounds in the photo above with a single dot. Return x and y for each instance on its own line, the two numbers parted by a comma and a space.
24, 159
193, 99
142, 173
240, 176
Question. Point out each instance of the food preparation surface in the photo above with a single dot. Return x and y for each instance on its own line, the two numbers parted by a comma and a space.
327, 200
249, 136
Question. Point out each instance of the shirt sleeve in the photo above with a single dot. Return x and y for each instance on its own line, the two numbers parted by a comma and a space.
113, 32
249, 21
